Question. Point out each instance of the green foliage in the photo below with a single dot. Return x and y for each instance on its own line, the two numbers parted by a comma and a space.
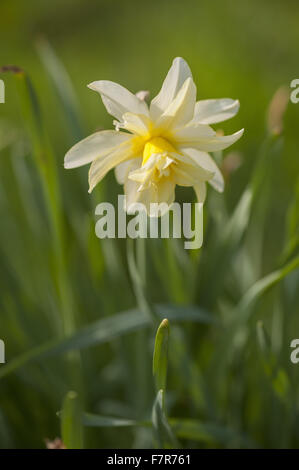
71, 422
160, 359
164, 435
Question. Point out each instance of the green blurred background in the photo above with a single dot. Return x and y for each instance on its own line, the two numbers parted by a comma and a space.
230, 379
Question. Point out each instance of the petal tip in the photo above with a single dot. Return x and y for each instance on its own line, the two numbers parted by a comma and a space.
67, 162
180, 60
95, 86
91, 85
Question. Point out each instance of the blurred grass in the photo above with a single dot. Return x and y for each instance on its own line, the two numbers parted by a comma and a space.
228, 386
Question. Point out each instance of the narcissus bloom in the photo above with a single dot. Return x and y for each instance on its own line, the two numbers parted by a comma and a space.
161, 145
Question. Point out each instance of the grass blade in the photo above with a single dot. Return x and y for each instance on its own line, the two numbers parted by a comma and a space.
93, 420
162, 430
138, 283
243, 310
276, 375
209, 433
102, 331
71, 422
62, 84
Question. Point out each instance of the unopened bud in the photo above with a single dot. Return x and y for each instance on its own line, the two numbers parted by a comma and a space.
276, 110
143, 95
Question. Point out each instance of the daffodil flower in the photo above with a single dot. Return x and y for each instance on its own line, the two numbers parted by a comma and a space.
161, 145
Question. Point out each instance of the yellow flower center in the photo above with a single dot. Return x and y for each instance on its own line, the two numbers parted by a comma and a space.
156, 145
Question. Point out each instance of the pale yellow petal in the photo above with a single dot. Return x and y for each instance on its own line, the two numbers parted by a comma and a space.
213, 111
118, 100
181, 109
205, 161
137, 124
100, 167
201, 191
123, 169
164, 192
96, 145
210, 144
143, 174
192, 132
187, 175
177, 75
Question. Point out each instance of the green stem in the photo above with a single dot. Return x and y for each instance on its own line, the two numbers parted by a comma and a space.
138, 279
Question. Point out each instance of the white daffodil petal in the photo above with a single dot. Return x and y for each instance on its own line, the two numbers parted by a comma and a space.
134, 195
189, 175
137, 124
123, 169
168, 161
166, 191
129, 185
181, 109
118, 100
192, 132
100, 167
131, 193
211, 144
213, 111
177, 75
96, 145
162, 193
200, 191
205, 161
141, 175
183, 178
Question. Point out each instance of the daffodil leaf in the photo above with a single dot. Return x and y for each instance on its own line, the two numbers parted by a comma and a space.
191, 429
242, 312
94, 420
102, 331
226, 243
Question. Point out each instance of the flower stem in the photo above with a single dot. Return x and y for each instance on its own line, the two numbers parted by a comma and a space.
137, 271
